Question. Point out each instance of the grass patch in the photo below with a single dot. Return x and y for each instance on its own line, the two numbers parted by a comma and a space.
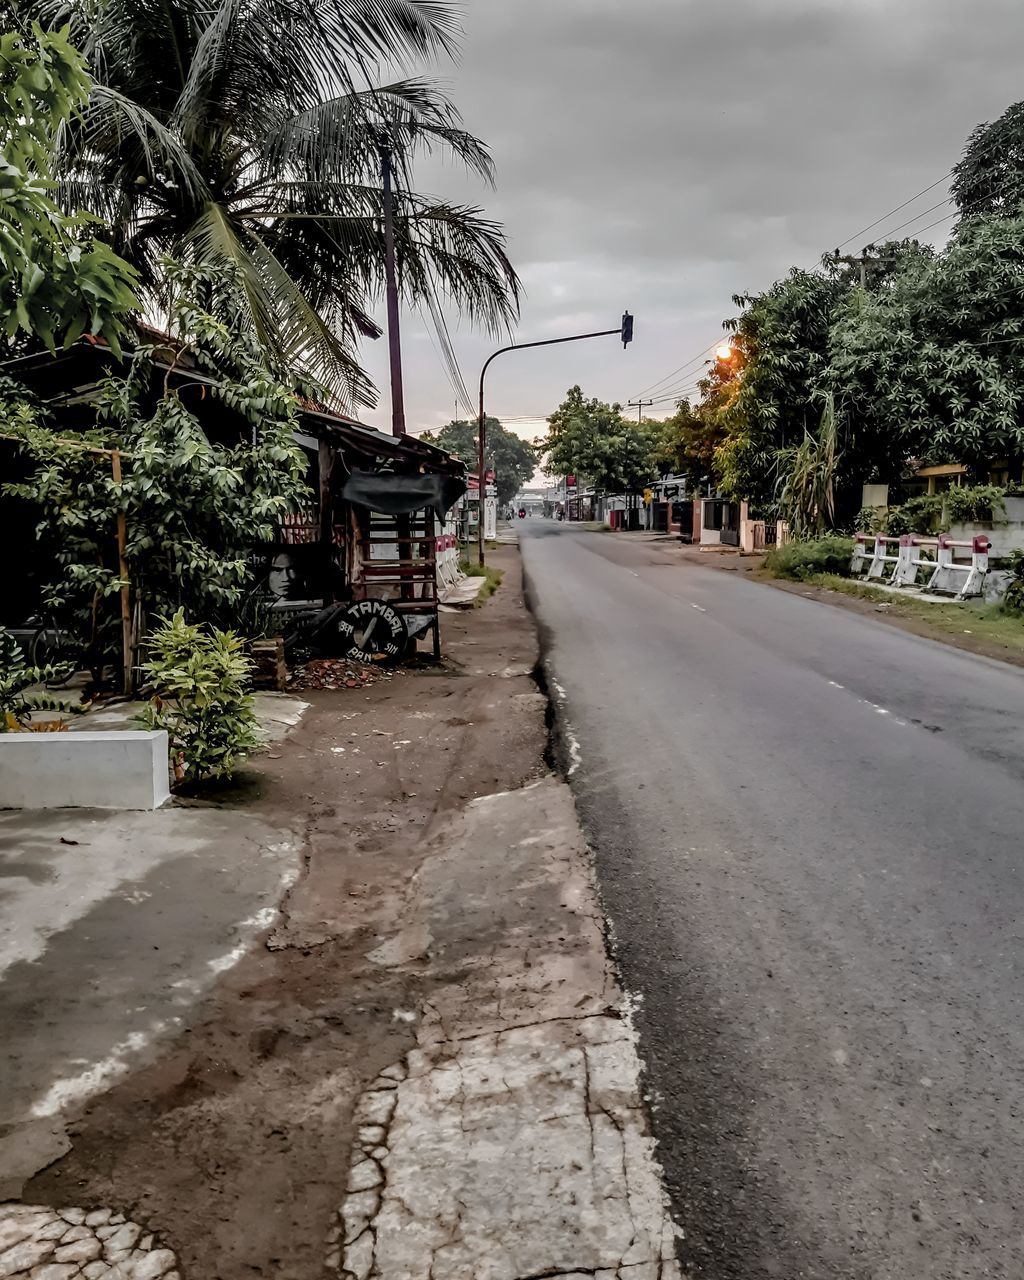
803, 561
493, 578
984, 624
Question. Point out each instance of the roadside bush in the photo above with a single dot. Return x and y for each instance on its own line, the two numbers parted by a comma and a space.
803, 560
922, 514
197, 678
979, 504
1013, 597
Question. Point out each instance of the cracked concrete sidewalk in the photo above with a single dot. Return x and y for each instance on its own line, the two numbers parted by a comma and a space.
511, 1141
427, 1070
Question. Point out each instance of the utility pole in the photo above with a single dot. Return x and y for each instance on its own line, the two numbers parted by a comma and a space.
391, 290
862, 262
639, 406
403, 524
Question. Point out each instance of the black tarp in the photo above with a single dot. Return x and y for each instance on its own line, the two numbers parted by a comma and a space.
398, 495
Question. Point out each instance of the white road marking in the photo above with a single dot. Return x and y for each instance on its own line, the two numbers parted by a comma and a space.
866, 702
698, 606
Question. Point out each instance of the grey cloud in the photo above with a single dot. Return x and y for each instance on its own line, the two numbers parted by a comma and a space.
665, 154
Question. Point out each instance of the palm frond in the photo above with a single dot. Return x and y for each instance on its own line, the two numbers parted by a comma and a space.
462, 255
286, 324
450, 250
233, 129
344, 135
121, 38
391, 30
121, 140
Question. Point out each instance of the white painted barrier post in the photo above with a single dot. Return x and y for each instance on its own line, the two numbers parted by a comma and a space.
860, 553
881, 559
909, 563
947, 570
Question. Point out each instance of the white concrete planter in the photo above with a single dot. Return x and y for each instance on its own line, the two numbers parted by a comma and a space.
115, 769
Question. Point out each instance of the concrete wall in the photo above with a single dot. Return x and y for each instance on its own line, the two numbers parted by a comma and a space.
116, 769
1005, 537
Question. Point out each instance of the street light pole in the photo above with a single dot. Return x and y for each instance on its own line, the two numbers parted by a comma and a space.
624, 331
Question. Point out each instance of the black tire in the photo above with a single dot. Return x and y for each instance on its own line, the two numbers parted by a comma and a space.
52, 647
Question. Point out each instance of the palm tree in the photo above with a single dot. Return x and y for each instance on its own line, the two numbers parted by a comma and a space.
251, 132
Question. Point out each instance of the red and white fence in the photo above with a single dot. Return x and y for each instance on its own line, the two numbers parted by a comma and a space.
903, 561
449, 574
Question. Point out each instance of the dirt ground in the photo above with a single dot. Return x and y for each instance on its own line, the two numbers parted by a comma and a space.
232, 1147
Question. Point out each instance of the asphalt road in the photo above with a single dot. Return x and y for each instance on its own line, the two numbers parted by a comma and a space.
808, 828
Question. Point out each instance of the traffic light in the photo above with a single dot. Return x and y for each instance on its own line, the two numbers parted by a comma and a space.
627, 329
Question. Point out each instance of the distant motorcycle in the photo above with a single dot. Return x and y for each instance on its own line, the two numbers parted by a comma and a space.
522, 513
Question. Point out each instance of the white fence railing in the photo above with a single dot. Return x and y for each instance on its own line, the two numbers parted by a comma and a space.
934, 565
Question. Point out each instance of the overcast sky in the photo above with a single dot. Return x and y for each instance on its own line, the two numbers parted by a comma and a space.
662, 155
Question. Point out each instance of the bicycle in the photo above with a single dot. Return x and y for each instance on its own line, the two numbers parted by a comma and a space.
51, 646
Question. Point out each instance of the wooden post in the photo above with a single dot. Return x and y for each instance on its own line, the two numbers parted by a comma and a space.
325, 459
122, 569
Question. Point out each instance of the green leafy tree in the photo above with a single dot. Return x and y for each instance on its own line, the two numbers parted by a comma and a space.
592, 440
785, 351
988, 181
200, 512
936, 362
770, 401
690, 439
513, 458
58, 279
247, 132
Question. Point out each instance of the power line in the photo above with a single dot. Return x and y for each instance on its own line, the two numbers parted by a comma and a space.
1011, 186
920, 231
993, 147
447, 356
445, 369
682, 367
678, 394
871, 225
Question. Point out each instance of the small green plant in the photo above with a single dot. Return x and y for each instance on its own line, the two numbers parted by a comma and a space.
17, 698
197, 678
870, 520
981, 503
803, 560
1013, 597
807, 477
